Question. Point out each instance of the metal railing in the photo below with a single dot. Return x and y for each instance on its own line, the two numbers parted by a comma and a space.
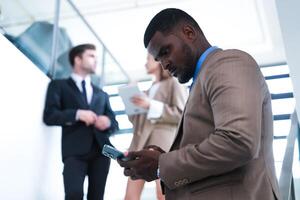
55, 38
286, 181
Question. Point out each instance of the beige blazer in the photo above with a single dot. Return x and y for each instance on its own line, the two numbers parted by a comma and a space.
161, 131
223, 147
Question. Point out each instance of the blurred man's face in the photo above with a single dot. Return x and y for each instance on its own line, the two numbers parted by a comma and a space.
174, 54
88, 61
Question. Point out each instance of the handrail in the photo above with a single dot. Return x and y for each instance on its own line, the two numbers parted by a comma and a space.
273, 64
281, 117
286, 182
282, 95
54, 39
277, 76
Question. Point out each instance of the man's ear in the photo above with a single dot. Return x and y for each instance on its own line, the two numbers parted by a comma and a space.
77, 60
189, 32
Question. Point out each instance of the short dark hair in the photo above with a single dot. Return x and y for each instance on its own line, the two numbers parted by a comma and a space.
165, 21
78, 51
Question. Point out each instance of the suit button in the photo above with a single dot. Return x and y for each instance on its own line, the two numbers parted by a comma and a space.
185, 181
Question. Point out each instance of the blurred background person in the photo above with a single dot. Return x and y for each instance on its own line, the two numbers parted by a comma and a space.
83, 110
164, 102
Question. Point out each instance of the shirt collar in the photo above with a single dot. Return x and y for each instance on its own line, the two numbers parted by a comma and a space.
202, 59
78, 79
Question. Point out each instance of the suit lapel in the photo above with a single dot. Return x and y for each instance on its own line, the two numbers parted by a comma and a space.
95, 95
73, 85
77, 91
179, 133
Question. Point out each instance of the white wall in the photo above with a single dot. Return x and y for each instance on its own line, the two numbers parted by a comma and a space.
30, 155
289, 19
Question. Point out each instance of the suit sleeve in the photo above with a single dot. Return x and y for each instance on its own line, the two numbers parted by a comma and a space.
111, 115
54, 114
234, 88
172, 111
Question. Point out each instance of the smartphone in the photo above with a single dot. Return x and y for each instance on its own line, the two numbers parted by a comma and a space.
113, 153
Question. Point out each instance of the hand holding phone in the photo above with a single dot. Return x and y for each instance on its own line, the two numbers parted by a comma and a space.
113, 153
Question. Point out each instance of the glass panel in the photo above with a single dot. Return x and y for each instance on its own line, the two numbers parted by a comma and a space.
112, 89
121, 141
277, 70
296, 164
116, 103
28, 24
281, 85
145, 85
113, 73
124, 123
79, 33
279, 146
75, 33
18, 15
283, 106
282, 127
278, 166
280, 106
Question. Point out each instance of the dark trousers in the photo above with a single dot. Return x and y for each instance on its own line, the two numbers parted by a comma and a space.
93, 165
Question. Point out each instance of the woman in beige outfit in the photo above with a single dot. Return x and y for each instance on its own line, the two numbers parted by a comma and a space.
164, 101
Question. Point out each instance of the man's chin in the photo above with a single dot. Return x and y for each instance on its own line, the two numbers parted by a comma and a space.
92, 72
182, 79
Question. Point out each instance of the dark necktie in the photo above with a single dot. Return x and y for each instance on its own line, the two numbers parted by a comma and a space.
84, 91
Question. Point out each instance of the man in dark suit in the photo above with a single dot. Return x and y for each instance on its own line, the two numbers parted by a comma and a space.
83, 110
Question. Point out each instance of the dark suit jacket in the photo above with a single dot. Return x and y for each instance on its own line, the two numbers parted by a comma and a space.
62, 101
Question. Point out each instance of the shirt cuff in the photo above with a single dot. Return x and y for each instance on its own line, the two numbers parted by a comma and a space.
109, 122
77, 115
155, 110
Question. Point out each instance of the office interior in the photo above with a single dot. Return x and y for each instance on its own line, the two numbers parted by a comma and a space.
34, 42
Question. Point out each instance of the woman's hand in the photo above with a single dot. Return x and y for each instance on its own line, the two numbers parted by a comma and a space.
142, 101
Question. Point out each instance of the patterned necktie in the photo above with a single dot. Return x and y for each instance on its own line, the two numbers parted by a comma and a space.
84, 91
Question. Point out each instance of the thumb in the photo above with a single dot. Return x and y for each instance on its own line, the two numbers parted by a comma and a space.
125, 153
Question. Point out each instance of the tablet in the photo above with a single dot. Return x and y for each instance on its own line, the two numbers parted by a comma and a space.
126, 93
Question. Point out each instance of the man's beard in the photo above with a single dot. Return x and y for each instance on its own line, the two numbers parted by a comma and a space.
90, 71
187, 69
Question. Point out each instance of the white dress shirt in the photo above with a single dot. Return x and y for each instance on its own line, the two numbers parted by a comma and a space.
88, 85
156, 107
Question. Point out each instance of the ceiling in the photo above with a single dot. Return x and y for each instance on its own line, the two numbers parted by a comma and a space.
250, 25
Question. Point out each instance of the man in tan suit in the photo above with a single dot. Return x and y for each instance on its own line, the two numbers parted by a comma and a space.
223, 147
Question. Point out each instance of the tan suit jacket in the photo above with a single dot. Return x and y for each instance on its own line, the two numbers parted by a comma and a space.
161, 131
223, 148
